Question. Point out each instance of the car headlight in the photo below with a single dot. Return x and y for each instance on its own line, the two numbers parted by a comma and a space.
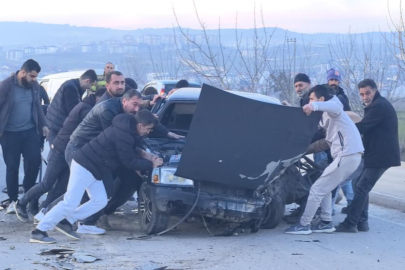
165, 176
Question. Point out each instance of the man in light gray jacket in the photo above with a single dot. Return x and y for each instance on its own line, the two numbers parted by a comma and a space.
344, 141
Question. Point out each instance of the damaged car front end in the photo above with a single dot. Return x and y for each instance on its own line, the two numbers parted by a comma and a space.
208, 184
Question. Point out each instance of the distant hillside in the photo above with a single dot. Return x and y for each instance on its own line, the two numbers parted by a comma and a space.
16, 34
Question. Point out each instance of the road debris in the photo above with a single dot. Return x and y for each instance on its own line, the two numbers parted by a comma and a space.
82, 257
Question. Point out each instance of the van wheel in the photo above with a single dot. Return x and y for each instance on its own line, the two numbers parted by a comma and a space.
150, 220
274, 213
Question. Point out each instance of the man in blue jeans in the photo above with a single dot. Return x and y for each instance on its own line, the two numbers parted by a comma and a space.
379, 128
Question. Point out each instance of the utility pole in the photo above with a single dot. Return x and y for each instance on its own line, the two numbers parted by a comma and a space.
293, 40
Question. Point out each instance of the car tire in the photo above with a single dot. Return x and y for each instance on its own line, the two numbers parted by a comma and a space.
274, 213
151, 220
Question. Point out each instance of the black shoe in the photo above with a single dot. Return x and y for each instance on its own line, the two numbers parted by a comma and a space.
21, 212
33, 207
363, 226
343, 227
41, 237
67, 230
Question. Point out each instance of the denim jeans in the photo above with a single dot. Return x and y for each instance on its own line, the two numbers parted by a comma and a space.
14, 144
358, 211
56, 175
319, 157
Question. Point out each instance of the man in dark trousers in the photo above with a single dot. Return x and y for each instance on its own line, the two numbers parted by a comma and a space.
379, 128
100, 118
56, 177
22, 123
66, 98
117, 145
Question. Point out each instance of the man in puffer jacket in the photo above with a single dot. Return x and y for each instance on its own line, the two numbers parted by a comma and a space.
117, 145
346, 147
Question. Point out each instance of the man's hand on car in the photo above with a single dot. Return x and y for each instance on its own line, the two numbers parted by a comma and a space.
155, 98
157, 162
286, 103
172, 91
148, 156
308, 109
175, 136
45, 132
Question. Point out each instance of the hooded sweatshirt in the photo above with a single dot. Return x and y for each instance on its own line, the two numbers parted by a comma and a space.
342, 134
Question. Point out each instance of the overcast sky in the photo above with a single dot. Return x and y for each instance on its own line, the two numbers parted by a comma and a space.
306, 16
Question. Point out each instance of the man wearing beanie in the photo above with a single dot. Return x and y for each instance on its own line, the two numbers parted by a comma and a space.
302, 84
333, 80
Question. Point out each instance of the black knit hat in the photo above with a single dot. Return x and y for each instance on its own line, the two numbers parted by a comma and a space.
301, 77
130, 84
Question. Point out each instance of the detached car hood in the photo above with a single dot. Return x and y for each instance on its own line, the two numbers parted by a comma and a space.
241, 142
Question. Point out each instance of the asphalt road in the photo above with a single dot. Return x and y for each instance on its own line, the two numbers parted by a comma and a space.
191, 247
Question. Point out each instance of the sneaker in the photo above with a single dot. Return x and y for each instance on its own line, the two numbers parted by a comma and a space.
103, 222
21, 212
38, 217
363, 226
89, 229
67, 230
10, 208
298, 229
33, 207
41, 237
323, 227
343, 227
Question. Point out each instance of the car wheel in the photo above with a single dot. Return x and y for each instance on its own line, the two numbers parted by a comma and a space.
150, 220
274, 213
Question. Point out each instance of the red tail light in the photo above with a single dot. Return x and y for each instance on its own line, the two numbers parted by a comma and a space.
162, 92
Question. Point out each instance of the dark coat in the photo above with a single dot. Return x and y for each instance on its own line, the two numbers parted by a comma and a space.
379, 128
43, 95
67, 97
304, 99
100, 118
75, 117
7, 99
344, 99
117, 145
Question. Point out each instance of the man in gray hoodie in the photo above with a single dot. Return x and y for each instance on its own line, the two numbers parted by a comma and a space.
344, 141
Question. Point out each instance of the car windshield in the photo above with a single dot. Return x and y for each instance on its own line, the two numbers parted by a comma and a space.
178, 116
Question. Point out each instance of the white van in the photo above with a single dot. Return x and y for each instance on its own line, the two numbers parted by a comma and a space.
52, 82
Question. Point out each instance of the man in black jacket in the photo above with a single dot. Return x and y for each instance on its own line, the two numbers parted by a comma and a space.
22, 123
115, 85
379, 128
66, 98
57, 172
117, 145
333, 80
302, 85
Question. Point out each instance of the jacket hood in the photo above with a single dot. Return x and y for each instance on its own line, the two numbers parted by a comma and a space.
126, 122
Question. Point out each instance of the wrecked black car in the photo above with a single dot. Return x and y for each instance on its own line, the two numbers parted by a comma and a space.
234, 179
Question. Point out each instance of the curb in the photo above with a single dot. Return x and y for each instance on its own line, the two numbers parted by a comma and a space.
387, 201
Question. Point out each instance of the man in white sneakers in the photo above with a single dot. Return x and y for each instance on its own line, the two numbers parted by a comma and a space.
117, 145
344, 141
